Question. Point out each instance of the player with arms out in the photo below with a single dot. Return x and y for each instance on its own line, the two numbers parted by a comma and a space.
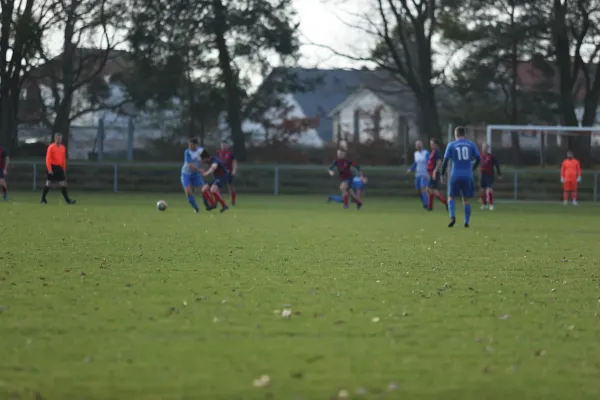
358, 187
228, 158
344, 167
486, 179
4, 161
434, 167
419, 167
56, 164
570, 176
462, 152
220, 177
191, 176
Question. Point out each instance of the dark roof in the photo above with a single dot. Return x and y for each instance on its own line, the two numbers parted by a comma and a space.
333, 86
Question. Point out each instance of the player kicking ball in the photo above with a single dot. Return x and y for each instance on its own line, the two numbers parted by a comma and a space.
220, 177
358, 187
344, 167
462, 152
191, 176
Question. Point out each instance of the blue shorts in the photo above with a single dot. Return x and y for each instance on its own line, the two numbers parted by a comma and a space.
486, 181
420, 182
1, 173
461, 187
230, 179
358, 185
434, 182
193, 180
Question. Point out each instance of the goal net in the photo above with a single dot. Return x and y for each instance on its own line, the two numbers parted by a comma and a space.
542, 146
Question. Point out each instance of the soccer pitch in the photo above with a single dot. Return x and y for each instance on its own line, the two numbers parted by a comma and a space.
111, 299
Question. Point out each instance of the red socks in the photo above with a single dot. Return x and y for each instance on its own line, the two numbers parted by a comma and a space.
484, 198
217, 197
491, 198
233, 193
442, 199
430, 201
208, 197
3, 189
565, 195
574, 196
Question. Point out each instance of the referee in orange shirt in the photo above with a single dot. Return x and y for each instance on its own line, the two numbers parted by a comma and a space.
56, 164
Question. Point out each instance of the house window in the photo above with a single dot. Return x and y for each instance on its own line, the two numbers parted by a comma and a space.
357, 126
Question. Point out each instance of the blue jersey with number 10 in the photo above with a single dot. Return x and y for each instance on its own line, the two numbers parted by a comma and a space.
462, 152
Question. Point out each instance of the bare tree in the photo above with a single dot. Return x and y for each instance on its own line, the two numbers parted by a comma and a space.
75, 80
23, 24
402, 31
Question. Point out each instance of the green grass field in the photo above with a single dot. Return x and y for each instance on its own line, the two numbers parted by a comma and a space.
111, 299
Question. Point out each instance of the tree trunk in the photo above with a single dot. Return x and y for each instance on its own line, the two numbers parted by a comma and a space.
428, 116
62, 122
230, 78
514, 93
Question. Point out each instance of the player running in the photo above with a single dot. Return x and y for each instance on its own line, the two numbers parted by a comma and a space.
4, 161
56, 164
220, 177
419, 167
344, 167
462, 152
486, 178
434, 166
191, 176
570, 176
228, 158
358, 187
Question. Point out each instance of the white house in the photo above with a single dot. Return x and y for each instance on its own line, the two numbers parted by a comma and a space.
278, 119
369, 114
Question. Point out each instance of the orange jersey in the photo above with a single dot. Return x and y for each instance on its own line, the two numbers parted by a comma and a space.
570, 170
56, 155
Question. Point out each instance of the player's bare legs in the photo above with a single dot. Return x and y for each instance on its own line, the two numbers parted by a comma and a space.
216, 195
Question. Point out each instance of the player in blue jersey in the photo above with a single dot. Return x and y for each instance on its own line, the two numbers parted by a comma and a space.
358, 187
220, 175
465, 159
190, 174
419, 167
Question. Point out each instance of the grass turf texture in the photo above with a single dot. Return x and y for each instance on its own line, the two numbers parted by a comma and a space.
111, 299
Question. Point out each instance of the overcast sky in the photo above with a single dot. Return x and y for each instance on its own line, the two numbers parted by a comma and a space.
321, 21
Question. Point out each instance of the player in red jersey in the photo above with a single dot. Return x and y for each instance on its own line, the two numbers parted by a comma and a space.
486, 179
4, 160
434, 169
226, 156
344, 167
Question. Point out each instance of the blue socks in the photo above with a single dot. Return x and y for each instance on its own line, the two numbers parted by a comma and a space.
424, 199
452, 208
467, 213
339, 199
192, 201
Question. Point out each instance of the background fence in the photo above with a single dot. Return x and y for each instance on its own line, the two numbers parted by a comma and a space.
529, 184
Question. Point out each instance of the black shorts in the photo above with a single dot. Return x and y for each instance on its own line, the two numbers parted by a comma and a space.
57, 175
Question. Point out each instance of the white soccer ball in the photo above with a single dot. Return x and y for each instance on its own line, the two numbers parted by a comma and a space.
161, 205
